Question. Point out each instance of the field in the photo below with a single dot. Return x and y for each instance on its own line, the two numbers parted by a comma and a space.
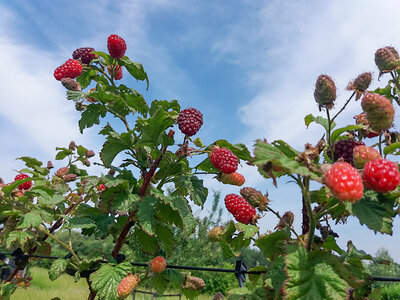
42, 288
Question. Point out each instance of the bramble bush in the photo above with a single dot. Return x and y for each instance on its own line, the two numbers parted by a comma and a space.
132, 205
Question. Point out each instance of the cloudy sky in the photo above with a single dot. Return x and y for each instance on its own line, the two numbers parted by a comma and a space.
249, 66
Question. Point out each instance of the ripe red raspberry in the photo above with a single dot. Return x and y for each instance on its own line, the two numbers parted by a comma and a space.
70, 69
116, 46
224, 160
117, 72
363, 154
158, 264
127, 285
190, 121
381, 175
344, 149
344, 182
233, 178
26, 185
240, 208
101, 188
84, 54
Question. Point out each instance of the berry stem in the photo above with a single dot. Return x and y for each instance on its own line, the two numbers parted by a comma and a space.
396, 82
380, 145
328, 135
305, 189
344, 106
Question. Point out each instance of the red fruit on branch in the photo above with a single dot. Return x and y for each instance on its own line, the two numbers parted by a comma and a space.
116, 46
84, 54
101, 188
117, 72
364, 154
127, 285
158, 264
70, 69
379, 111
224, 160
26, 185
190, 120
344, 149
381, 175
344, 181
233, 178
240, 208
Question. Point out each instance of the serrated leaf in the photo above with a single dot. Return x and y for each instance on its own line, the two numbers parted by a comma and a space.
145, 214
134, 99
52, 200
336, 133
7, 289
135, 69
227, 251
21, 237
75, 95
124, 202
113, 146
63, 153
240, 150
312, 278
375, 211
80, 222
174, 277
206, 166
91, 116
31, 162
165, 236
249, 231
199, 143
31, 219
272, 244
57, 268
242, 294
148, 243
319, 120
330, 244
159, 283
106, 279
179, 204
86, 77
192, 186
392, 149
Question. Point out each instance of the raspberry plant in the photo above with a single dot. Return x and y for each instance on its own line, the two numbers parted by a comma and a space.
131, 203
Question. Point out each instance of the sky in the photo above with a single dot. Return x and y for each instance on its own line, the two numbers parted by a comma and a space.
249, 66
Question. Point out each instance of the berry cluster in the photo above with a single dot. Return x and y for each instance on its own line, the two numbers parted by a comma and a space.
84, 54
70, 69
344, 149
190, 121
224, 160
240, 208
116, 46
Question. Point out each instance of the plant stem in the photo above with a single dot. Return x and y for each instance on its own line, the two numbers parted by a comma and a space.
60, 242
396, 82
305, 188
380, 145
344, 106
328, 134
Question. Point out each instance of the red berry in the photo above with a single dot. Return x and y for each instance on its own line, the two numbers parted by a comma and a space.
344, 182
233, 178
190, 121
117, 72
158, 264
381, 175
224, 160
240, 208
101, 188
70, 69
26, 185
344, 149
363, 154
127, 285
116, 46
84, 54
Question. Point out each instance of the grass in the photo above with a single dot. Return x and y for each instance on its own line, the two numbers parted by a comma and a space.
42, 288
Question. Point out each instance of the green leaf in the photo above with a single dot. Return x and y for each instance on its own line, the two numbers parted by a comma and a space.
270, 158
135, 69
52, 200
148, 243
179, 204
7, 189
106, 279
174, 277
248, 230
31, 162
107, 58
86, 77
392, 149
206, 166
21, 237
311, 277
124, 202
165, 236
375, 211
192, 186
319, 120
31, 219
330, 244
57, 268
146, 213
240, 150
113, 146
7, 289
242, 294
227, 250
199, 143
75, 95
80, 222
159, 283
92, 116
272, 244
336, 133
134, 99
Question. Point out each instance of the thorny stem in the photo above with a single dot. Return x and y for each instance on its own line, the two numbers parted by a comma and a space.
60, 242
147, 178
380, 145
290, 227
305, 190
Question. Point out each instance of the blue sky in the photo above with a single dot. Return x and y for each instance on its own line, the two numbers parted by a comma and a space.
249, 66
